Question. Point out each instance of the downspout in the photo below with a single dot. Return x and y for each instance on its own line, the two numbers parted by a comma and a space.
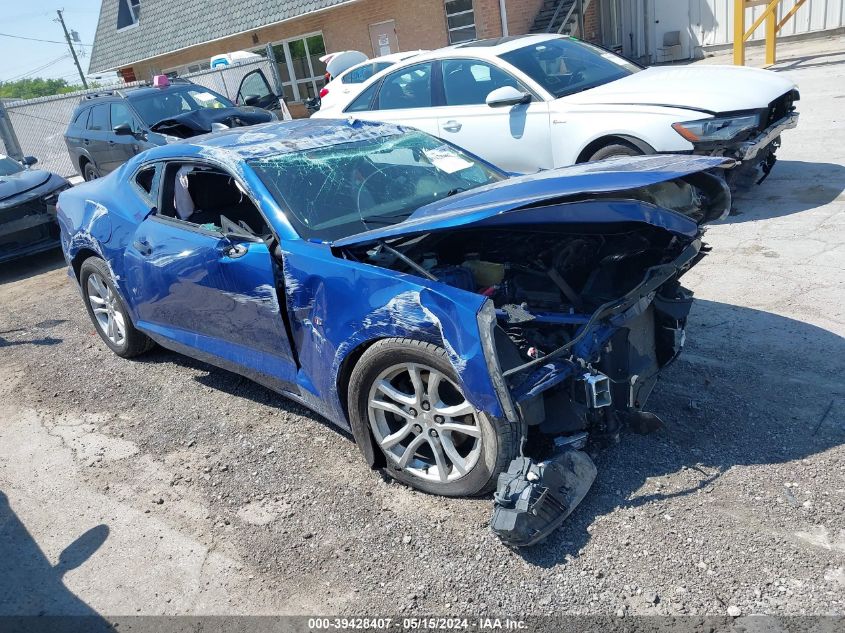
503, 12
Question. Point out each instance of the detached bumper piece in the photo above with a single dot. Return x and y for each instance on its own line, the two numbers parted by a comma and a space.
533, 499
750, 148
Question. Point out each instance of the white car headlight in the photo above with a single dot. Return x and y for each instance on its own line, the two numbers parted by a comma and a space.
716, 129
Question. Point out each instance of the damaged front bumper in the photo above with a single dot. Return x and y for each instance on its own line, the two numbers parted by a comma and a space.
587, 389
533, 499
748, 150
28, 228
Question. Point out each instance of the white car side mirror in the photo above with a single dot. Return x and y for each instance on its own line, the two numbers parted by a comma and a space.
507, 96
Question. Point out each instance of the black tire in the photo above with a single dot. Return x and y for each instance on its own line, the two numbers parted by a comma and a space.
90, 172
133, 342
499, 442
615, 149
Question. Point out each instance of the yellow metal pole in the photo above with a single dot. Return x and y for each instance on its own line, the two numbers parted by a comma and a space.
739, 32
792, 12
771, 35
771, 9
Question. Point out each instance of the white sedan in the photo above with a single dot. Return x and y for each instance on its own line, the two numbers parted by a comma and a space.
543, 101
348, 83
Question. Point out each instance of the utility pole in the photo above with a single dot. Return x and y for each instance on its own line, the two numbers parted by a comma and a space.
72, 51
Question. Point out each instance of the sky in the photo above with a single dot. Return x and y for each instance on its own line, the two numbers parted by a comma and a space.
37, 19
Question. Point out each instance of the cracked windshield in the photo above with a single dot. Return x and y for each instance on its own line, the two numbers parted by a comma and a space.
345, 189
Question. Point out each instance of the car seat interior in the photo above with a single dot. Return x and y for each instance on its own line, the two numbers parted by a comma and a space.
213, 200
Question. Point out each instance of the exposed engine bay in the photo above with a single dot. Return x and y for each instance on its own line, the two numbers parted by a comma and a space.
585, 315
548, 284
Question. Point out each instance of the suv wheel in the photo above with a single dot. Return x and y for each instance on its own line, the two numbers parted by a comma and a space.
90, 172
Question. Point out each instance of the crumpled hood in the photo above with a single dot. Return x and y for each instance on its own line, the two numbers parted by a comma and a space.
705, 88
554, 185
200, 121
21, 182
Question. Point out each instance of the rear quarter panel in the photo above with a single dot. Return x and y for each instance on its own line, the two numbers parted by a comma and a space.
100, 217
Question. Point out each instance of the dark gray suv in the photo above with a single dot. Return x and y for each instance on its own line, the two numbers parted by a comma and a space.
109, 128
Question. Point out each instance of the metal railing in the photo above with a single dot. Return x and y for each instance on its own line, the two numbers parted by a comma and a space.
773, 27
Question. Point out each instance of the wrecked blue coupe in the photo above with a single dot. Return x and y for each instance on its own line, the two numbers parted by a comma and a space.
439, 308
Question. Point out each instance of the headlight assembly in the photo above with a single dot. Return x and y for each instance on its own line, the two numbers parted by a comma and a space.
717, 129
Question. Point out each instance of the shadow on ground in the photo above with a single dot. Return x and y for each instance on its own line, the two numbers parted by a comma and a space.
236, 385
30, 585
810, 61
30, 266
794, 186
794, 371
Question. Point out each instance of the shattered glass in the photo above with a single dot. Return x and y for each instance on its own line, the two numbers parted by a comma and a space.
344, 189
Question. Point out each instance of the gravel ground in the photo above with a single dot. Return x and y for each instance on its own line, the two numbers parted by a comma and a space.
735, 507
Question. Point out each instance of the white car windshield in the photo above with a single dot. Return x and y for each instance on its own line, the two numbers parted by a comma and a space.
332, 192
565, 66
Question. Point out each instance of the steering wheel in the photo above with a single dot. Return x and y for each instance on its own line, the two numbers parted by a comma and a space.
382, 170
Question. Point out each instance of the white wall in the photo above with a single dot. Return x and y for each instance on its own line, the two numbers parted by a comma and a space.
711, 21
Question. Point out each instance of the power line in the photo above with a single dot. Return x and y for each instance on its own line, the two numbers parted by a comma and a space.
35, 70
35, 39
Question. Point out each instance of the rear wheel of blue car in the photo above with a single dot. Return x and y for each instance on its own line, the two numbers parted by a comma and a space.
407, 395
108, 312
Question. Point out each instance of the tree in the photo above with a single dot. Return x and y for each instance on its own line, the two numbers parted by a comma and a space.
35, 87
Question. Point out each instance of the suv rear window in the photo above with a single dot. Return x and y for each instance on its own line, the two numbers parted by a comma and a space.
99, 119
81, 118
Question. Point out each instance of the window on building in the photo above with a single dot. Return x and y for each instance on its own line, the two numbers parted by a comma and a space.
300, 68
460, 21
128, 13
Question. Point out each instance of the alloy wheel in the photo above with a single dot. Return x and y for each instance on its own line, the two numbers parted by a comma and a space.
106, 309
423, 423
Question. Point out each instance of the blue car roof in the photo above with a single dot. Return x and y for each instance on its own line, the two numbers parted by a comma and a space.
282, 137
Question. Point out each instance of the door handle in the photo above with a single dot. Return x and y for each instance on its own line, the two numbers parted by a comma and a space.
143, 247
452, 126
85, 141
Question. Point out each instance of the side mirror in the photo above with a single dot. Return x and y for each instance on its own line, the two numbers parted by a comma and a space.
123, 129
507, 96
29, 161
235, 237
251, 100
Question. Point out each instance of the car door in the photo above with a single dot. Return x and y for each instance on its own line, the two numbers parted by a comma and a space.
255, 90
405, 97
95, 141
515, 137
122, 147
207, 295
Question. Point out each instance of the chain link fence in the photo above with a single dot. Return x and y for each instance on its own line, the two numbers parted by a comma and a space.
39, 124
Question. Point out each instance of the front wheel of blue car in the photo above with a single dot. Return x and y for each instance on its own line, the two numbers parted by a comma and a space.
407, 395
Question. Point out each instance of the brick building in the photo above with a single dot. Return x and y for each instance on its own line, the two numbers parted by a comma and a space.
140, 38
